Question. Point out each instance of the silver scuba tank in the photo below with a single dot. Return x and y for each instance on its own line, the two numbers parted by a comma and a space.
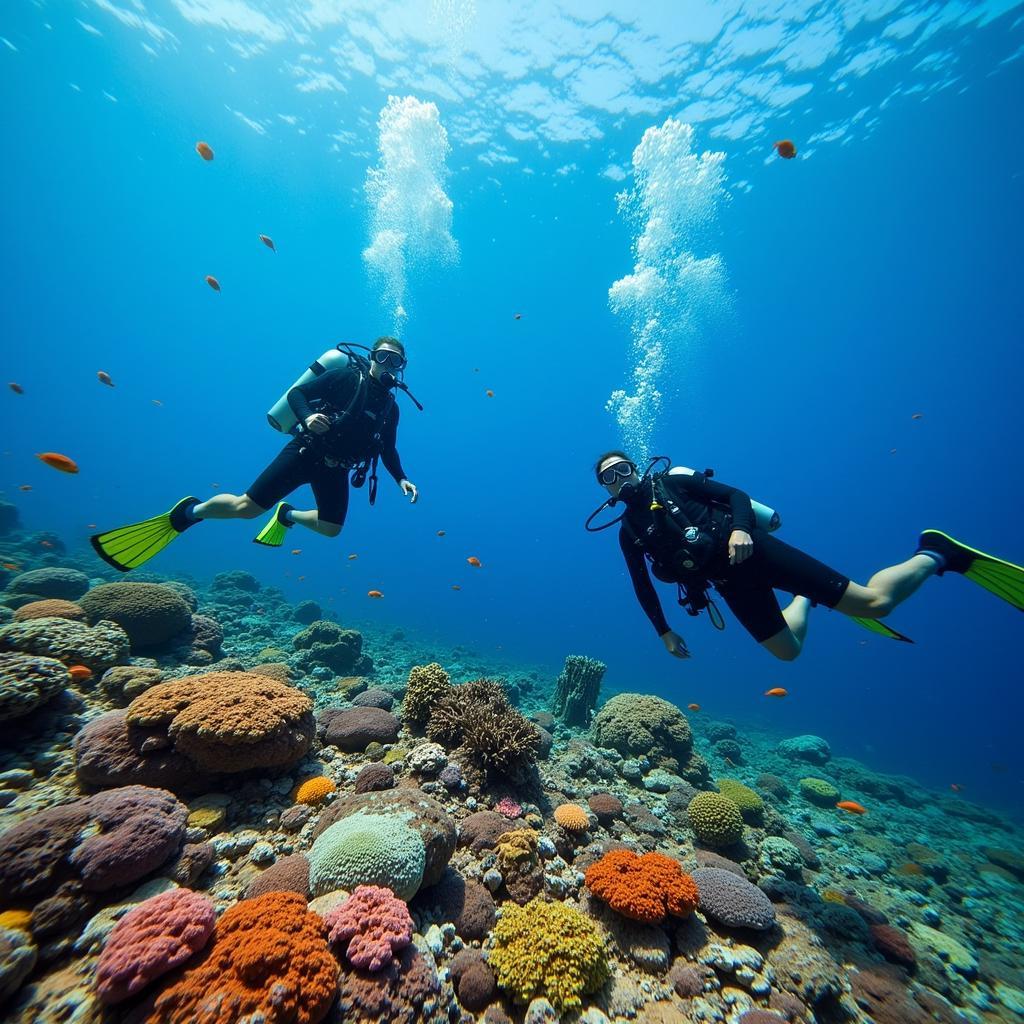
280, 415
764, 517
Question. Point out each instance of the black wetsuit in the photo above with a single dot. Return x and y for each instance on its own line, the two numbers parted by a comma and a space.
747, 588
323, 460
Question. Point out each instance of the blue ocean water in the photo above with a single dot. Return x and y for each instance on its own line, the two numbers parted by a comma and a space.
874, 277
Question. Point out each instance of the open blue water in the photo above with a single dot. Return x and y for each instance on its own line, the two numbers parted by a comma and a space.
875, 276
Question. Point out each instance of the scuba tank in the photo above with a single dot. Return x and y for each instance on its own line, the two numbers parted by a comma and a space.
766, 518
280, 415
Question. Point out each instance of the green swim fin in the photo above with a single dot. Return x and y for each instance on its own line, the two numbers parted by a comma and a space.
274, 530
1004, 579
128, 547
876, 626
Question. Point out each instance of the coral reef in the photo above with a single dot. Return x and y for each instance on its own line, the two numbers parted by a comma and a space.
326, 643
74, 643
577, 689
27, 683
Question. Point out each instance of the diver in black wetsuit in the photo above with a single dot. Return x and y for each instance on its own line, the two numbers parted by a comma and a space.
696, 532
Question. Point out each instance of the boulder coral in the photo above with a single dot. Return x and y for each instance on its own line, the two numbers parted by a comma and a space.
289, 874
405, 991
733, 901
269, 960
160, 934
315, 791
151, 614
647, 887
640, 725
27, 683
550, 950
326, 643
819, 792
715, 819
372, 924
74, 643
52, 581
50, 608
464, 902
751, 805
571, 817
426, 686
354, 729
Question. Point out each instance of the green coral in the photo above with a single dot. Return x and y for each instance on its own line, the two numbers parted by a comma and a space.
715, 819
550, 950
427, 685
819, 792
639, 725
368, 849
750, 804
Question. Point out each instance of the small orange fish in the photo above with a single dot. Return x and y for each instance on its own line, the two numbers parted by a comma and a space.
474, 561
296, 551
204, 150
25, 487
104, 378
374, 593
519, 316
156, 401
490, 394
213, 282
352, 558
785, 149
46, 544
57, 461
440, 533
455, 586
12, 566
79, 673
917, 416
693, 707
268, 242
955, 786
16, 387
851, 807
777, 691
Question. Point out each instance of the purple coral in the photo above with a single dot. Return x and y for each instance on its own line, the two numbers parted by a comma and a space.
508, 807
374, 922
733, 901
155, 937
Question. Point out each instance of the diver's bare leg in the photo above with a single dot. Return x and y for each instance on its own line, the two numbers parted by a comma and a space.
797, 614
887, 588
310, 519
228, 506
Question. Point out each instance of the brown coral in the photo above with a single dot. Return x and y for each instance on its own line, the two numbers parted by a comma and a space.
53, 607
427, 685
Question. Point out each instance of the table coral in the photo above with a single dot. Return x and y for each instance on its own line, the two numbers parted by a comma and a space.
374, 923
645, 887
268, 960
160, 934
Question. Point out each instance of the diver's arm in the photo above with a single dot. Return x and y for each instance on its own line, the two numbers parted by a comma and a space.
335, 386
388, 450
700, 487
642, 585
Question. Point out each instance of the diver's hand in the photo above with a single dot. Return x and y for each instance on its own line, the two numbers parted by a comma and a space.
741, 546
675, 644
318, 423
410, 490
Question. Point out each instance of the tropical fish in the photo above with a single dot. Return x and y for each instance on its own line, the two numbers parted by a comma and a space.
851, 807
104, 378
91, 526
518, 316
490, 393
268, 242
955, 786
57, 461
892, 451
156, 401
917, 416
213, 282
79, 673
204, 150
12, 566
777, 691
785, 149
374, 593
693, 707
440, 533
300, 578
25, 487
46, 544
16, 387
474, 561
352, 558
296, 551
455, 586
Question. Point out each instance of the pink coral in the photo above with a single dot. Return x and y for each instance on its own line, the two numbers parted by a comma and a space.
157, 936
507, 806
374, 922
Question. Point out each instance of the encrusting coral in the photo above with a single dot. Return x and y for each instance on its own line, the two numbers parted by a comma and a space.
646, 887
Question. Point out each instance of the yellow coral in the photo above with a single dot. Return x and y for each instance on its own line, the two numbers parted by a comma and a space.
427, 685
750, 804
548, 949
572, 818
314, 791
20, 920
515, 846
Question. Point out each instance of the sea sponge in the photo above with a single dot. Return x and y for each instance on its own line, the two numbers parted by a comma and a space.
715, 819
149, 613
367, 849
819, 792
640, 725
732, 900
550, 950
27, 683
426, 686
269, 959
315, 791
158, 935
374, 923
645, 888
750, 804
572, 817
50, 608
73, 643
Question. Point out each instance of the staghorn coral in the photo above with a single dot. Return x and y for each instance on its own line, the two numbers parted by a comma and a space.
73, 643
577, 689
315, 791
571, 817
50, 608
639, 725
550, 950
715, 819
733, 901
646, 887
426, 686
751, 806
149, 613
268, 960
374, 923
159, 934
27, 683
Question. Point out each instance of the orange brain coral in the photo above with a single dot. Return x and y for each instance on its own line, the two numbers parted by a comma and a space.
646, 888
312, 791
268, 960
572, 818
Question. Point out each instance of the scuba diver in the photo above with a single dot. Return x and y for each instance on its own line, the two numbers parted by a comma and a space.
343, 416
696, 533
